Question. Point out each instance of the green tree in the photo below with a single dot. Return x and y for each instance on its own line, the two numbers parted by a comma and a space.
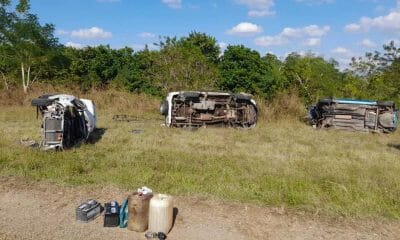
243, 70
313, 76
24, 41
380, 72
353, 86
135, 75
96, 66
207, 44
275, 67
182, 67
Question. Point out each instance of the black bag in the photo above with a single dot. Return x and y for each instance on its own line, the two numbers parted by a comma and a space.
111, 214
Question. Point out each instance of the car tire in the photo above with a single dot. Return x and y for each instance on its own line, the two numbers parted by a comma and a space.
164, 108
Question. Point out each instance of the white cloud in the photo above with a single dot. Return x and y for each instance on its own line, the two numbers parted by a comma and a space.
91, 33
343, 56
344, 62
353, 27
312, 42
222, 45
256, 4
313, 32
245, 29
147, 35
266, 41
291, 32
258, 8
367, 43
173, 3
389, 23
341, 51
62, 32
74, 45
260, 13
314, 2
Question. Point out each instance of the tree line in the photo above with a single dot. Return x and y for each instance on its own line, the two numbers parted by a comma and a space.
29, 52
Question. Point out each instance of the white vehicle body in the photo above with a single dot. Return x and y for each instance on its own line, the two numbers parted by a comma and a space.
66, 120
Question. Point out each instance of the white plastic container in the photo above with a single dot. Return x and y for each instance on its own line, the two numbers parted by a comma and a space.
161, 213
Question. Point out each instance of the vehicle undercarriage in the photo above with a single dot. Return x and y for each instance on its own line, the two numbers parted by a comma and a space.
196, 109
357, 115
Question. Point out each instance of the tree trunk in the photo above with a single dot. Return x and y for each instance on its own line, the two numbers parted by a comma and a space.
26, 79
24, 84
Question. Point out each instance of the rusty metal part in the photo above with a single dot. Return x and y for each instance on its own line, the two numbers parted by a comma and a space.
205, 108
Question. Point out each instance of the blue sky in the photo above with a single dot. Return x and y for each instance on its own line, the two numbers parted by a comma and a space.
331, 28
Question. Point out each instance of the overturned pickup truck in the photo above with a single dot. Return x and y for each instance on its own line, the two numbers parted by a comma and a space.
66, 120
360, 115
196, 109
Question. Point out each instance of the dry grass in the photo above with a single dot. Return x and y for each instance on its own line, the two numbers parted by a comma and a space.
120, 100
280, 163
284, 105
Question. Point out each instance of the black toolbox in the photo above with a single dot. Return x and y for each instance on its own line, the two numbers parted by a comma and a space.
111, 214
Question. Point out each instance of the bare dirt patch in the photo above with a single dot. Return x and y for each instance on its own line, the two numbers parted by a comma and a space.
43, 210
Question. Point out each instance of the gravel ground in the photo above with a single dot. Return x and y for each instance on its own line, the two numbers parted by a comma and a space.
43, 210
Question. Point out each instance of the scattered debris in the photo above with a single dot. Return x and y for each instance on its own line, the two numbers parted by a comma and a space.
29, 143
137, 131
131, 118
196, 109
190, 128
396, 146
144, 191
125, 118
154, 235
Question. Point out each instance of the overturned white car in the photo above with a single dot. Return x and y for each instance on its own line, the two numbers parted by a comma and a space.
66, 120
196, 109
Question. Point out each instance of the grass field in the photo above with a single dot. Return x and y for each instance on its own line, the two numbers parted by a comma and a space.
280, 163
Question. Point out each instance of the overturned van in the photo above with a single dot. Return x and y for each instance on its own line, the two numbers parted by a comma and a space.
66, 120
197, 109
360, 115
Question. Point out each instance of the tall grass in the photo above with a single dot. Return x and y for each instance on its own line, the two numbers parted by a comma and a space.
283, 105
282, 162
